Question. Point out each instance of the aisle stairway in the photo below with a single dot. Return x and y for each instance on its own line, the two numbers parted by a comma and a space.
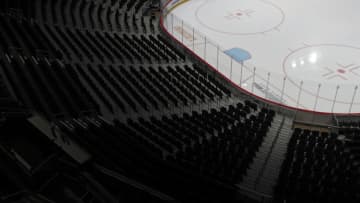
263, 172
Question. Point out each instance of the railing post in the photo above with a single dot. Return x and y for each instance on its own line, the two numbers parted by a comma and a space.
172, 23
182, 31
205, 49
241, 74
193, 39
253, 82
317, 97
334, 102
231, 67
353, 98
299, 95
217, 58
267, 85
165, 17
282, 90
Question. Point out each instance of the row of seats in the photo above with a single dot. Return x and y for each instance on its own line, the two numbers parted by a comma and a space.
48, 87
120, 145
24, 38
217, 143
202, 75
319, 167
103, 47
71, 90
98, 15
136, 88
349, 124
19, 8
9, 105
29, 39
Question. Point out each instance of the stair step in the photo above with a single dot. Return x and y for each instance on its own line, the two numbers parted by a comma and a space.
264, 171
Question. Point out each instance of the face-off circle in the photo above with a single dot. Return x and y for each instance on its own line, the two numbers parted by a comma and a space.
332, 64
245, 17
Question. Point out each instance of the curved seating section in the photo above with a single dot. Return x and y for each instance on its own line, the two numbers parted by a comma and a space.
47, 87
219, 143
77, 62
211, 150
69, 90
123, 15
320, 167
62, 67
71, 61
110, 15
21, 37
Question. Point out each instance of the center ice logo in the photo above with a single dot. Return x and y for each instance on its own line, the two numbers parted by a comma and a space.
240, 14
245, 17
341, 71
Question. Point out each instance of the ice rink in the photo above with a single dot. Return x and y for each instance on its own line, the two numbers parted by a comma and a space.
303, 54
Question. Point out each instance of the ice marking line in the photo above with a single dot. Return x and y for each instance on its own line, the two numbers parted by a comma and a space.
355, 68
334, 76
329, 73
344, 66
240, 15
